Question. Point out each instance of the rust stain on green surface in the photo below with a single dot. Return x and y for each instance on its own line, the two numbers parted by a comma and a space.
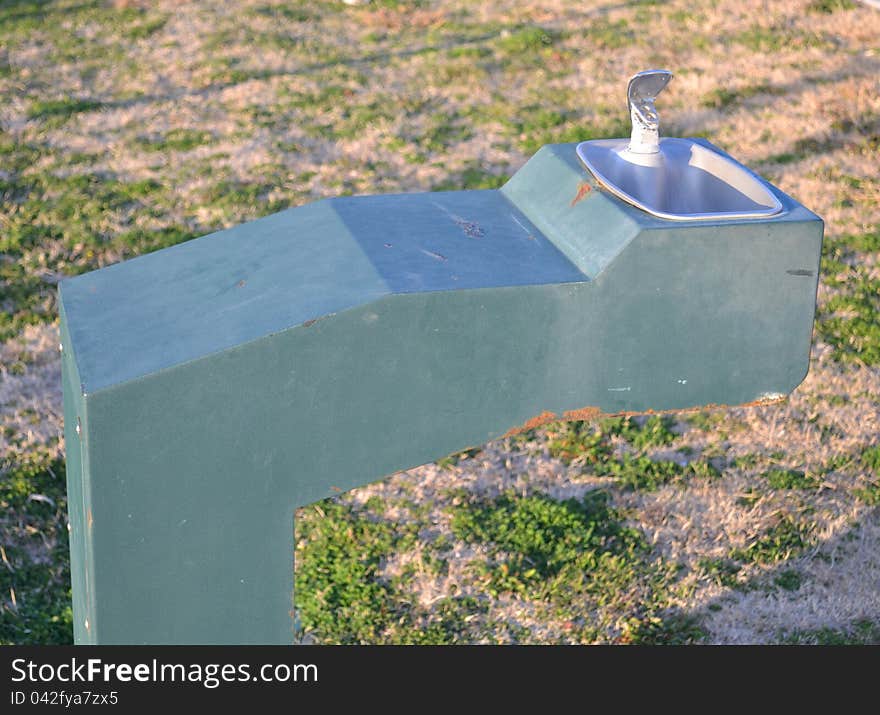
587, 414
583, 189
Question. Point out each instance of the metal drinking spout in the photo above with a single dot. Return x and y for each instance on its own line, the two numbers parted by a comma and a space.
641, 92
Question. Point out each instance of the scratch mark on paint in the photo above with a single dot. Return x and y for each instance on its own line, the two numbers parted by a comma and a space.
435, 256
310, 323
800, 272
471, 229
523, 227
619, 389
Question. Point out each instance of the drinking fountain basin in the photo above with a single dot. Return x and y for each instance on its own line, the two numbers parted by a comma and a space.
683, 181
675, 179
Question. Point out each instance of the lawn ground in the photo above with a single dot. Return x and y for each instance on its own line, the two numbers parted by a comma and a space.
126, 127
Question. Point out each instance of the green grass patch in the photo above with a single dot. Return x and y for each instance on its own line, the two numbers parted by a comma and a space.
552, 127
761, 38
829, 6
472, 177
60, 109
441, 133
723, 97
227, 73
453, 459
338, 594
288, 12
707, 421
526, 40
720, 570
342, 596
175, 140
605, 34
35, 566
241, 199
591, 440
145, 28
860, 632
870, 457
802, 149
586, 441
870, 494
138, 241
471, 53
667, 629
23, 16
656, 431
320, 100
562, 553
840, 253
358, 118
545, 547
848, 320
59, 225
590, 443
788, 580
746, 461
642, 473
791, 479
787, 538
70, 209
853, 243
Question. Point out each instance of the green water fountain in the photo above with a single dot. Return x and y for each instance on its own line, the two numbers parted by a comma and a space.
212, 388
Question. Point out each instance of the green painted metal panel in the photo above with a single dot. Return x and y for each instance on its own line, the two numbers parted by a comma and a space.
221, 290
215, 292
588, 225
78, 482
208, 416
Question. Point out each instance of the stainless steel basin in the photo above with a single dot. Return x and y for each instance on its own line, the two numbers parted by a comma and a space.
675, 179
682, 181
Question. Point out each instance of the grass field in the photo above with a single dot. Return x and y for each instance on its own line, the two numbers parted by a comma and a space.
126, 127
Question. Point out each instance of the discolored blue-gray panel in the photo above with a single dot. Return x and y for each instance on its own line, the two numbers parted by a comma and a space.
452, 241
